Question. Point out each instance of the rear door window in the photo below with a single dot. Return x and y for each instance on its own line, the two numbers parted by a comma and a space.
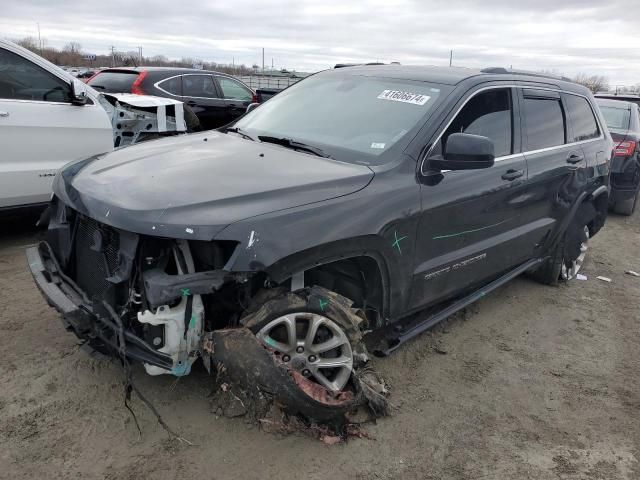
21, 79
199, 86
114, 81
489, 114
545, 123
172, 85
232, 89
583, 121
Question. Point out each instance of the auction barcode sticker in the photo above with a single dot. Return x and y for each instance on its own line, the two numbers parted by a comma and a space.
406, 97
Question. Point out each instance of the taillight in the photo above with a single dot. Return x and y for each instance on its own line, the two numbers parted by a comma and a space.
626, 148
136, 86
254, 98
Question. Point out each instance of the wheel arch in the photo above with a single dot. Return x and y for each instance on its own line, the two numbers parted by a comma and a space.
342, 258
599, 199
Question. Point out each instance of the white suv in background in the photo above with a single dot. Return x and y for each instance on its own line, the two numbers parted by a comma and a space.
48, 118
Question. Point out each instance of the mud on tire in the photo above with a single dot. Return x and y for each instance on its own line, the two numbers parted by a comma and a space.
261, 371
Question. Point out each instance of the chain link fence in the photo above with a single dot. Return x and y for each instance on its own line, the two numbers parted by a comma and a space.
273, 83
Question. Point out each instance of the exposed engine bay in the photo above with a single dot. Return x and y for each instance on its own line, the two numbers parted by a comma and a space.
168, 302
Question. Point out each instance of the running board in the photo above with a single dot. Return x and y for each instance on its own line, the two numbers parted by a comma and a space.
393, 342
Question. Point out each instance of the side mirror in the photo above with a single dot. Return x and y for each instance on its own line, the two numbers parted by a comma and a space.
252, 106
464, 151
78, 95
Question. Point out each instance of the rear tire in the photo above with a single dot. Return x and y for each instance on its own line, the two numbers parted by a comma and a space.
566, 258
626, 207
549, 271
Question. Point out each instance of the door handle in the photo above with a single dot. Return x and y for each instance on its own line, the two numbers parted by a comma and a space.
512, 174
4, 114
575, 158
191, 103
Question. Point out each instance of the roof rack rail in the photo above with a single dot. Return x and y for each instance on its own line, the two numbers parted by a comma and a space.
524, 72
343, 65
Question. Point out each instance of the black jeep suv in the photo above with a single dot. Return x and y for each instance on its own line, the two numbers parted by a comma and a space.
375, 199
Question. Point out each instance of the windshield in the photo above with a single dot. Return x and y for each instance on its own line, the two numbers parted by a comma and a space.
616, 118
350, 117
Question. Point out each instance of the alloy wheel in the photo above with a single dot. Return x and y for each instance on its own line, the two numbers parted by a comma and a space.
312, 345
571, 268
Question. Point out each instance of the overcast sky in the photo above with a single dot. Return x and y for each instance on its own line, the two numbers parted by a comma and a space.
566, 36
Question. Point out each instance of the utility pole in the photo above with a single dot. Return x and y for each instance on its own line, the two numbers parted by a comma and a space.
140, 55
39, 39
263, 61
233, 65
113, 56
271, 65
450, 57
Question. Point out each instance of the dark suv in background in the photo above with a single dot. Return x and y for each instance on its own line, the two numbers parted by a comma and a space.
215, 98
273, 246
623, 120
624, 97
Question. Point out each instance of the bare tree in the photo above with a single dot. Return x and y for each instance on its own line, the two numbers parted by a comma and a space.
29, 43
71, 55
73, 47
595, 83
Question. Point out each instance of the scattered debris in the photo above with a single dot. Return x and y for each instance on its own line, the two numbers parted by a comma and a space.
632, 273
580, 276
604, 279
330, 439
440, 348
254, 383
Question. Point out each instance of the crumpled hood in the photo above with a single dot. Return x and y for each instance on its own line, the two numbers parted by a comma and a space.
192, 186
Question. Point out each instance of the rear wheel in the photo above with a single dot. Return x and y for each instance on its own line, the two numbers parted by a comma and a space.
570, 267
567, 258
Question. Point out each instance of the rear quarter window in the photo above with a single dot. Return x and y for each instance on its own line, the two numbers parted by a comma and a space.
583, 121
114, 82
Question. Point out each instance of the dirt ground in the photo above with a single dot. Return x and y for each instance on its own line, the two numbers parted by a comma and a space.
532, 382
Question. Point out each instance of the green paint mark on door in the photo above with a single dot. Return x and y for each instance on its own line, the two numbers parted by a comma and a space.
438, 237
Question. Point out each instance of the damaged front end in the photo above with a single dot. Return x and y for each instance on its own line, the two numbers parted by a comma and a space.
136, 118
168, 302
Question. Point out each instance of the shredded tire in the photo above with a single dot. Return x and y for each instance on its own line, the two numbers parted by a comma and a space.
258, 379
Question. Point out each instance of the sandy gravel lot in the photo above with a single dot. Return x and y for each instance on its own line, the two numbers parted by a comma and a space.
536, 383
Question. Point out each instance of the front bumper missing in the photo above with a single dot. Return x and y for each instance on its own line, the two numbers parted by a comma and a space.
88, 320
258, 377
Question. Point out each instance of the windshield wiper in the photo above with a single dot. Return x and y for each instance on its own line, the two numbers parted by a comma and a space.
239, 131
294, 145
